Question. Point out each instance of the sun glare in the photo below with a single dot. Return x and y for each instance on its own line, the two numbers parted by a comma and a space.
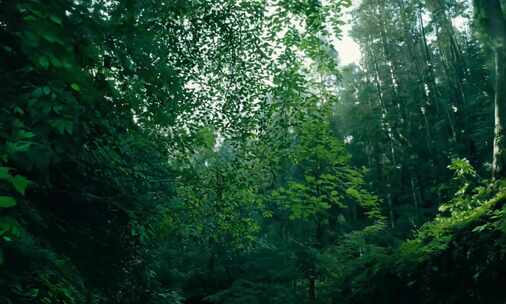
349, 50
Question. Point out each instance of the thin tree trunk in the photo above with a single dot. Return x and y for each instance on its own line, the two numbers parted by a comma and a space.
499, 161
490, 15
414, 193
390, 207
312, 289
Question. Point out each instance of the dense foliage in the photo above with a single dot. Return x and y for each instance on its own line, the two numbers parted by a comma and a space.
216, 151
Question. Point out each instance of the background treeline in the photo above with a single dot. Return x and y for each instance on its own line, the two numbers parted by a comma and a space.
214, 151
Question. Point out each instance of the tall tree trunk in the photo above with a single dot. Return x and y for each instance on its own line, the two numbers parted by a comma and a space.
455, 68
499, 162
312, 289
490, 15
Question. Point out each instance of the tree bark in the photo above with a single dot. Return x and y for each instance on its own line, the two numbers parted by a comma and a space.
499, 161
312, 289
490, 15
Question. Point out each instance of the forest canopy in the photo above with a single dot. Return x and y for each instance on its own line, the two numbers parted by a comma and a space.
219, 152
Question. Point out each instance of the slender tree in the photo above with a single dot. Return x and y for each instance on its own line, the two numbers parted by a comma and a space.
490, 16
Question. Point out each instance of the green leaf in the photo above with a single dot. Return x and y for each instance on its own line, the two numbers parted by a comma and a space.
37, 92
19, 146
31, 39
66, 64
20, 183
50, 37
22, 134
44, 62
55, 19
21, 8
30, 18
9, 228
62, 126
4, 173
19, 111
35, 12
55, 62
57, 108
75, 87
7, 202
